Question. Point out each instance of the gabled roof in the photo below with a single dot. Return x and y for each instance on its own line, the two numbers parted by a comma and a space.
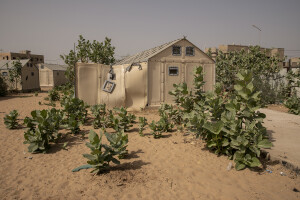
145, 55
7, 64
54, 67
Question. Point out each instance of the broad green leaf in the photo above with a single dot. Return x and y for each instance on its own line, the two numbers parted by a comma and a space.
239, 166
265, 143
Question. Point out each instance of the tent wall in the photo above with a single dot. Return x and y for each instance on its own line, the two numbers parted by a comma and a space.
46, 77
160, 82
59, 77
136, 87
89, 82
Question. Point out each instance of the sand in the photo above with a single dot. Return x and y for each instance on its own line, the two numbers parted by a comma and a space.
174, 167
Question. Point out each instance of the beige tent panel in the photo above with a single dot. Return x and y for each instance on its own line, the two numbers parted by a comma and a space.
117, 97
170, 80
136, 84
155, 84
87, 82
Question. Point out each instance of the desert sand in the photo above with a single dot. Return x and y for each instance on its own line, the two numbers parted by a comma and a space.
174, 167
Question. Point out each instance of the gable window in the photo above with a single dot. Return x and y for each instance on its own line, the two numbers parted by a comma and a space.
26, 78
176, 50
189, 51
32, 73
57, 73
173, 71
4, 73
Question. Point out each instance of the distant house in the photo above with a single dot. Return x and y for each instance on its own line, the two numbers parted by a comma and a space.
29, 75
52, 75
144, 78
278, 52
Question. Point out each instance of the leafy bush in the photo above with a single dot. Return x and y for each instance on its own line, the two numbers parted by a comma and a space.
53, 95
73, 125
3, 87
228, 122
163, 125
292, 101
101, 154
43, 128
118, 143
123, 120
293, 104
99, 112
142, 124
264, 68
74, 107
10, 120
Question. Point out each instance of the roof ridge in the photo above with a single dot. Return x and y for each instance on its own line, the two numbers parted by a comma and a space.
146, 54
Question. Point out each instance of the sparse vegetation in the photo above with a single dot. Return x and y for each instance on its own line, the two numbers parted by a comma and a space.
101, 154
142, 124
43, 128
10, 120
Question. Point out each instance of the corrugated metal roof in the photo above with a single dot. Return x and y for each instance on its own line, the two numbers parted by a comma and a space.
54, 67
9, 63
145, 55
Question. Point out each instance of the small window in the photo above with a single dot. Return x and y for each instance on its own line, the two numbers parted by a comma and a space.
42, 66
32, 73
14, 58
173, 71
31, 65
41, 59
108, 86
189, 51
57, 73
176, 51
26, 78
27, 64
4, 73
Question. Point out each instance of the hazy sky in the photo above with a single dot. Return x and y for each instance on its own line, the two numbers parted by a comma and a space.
52, 27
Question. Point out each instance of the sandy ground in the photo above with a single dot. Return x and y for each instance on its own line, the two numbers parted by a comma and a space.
174, 167
284, 130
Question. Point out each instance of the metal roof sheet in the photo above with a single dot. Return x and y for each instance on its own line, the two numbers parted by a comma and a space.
145, 55
7, 64
54, 67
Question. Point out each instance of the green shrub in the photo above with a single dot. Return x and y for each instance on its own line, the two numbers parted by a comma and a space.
142, 124
43, 128
53, 95
118, 143
293, 104
101, 154
99, 112
73, 125
10, 120
229, 122
74, 107
3, 87
124, 119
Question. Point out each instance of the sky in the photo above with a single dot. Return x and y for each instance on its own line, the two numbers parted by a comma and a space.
52, 27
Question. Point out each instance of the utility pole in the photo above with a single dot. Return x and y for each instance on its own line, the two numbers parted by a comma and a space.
258, 32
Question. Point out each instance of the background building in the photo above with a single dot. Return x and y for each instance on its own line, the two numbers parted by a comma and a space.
52, 75
29, 75
230, 48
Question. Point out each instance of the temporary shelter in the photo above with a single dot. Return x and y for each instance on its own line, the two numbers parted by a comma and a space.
144, 78
29, 75
52, 75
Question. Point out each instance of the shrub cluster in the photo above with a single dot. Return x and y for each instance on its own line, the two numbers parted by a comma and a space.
228, 122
